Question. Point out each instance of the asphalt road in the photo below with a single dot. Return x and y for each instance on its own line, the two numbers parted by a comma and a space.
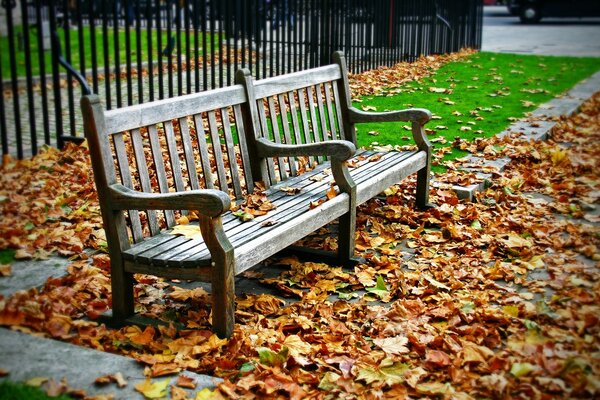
551, 36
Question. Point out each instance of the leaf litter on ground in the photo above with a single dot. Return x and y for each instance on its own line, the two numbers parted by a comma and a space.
461, 312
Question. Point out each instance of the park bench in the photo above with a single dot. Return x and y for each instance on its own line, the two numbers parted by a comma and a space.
288, 142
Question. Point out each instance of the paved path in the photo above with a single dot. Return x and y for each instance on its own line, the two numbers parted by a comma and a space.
551, 36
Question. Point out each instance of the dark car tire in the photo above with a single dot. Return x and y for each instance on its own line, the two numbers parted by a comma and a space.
530, 14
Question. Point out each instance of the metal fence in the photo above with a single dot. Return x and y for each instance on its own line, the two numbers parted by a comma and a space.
133, 51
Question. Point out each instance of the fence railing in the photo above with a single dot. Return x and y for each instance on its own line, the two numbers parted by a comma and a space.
133, 51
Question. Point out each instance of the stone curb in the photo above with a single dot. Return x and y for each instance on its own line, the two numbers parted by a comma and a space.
537, 126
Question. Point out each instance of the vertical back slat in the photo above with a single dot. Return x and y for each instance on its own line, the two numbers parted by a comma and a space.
159, 169
142, 167
294, 115
313, 119
204, 156
265, 133
277, 135
230, 147
302, 103
217, 153
125, 172
322, 117
174, 160
283, 109
241, 134
188, 153
330, 111
338, 111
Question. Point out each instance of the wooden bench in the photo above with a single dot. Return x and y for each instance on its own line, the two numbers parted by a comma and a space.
202, 154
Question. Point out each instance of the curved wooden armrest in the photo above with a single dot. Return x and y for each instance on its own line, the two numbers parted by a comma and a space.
209, 202
340, 150
419, 115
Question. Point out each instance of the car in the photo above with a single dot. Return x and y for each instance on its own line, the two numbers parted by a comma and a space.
531, 11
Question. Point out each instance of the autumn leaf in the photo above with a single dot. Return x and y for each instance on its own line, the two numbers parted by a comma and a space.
189, 231
380, 289
522, 369
243, 215
5, 270
395, 345
153, 390
271, 358
387, 373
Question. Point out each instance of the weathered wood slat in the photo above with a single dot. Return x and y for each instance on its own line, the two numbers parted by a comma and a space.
137, 144
330, 114
159, 169
174, 160
245, 155
294, 81
324, 133
338, 112
204, 155
218, 154
273, 116
125, 173
272, 178
188, 153
230, 148
314, 131
146, 114
291, 161
302, 102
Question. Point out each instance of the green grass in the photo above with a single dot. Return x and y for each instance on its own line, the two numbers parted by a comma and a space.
86, 38
485, 93
17, 391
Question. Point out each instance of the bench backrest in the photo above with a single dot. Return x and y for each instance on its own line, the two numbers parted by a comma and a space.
302, 107
188, 142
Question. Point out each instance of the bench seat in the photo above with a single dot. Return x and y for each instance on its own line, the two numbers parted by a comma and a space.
291, 215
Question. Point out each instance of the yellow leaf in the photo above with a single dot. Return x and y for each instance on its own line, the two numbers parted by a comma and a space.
297, 346
37, 381
189, 231
207, 394
154, 390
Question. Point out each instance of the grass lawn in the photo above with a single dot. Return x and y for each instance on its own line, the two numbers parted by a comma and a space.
476, 97
119, 36
13, 391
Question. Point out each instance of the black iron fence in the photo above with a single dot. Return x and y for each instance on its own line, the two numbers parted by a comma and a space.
133, 51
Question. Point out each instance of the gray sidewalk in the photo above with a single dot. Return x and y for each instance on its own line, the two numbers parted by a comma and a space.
25, 356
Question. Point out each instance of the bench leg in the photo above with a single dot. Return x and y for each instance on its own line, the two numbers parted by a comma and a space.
122, 292
346, 237
222, 276
422, 195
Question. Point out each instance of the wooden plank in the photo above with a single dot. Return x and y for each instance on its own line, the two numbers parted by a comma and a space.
217, 153
125, 173
264, 132
203, 149
188, 153
147, 244
283, 110
155, 112
297, 80
174, 160
230, 148
276, 137
137, 144
241, 135
199, 272
314, 131
332, 127
302, 103
148, 255
294, 114
338, 112
159, 169
324, 134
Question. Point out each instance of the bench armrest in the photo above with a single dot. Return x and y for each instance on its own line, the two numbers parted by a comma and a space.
419, 115
209, 202
339, 150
